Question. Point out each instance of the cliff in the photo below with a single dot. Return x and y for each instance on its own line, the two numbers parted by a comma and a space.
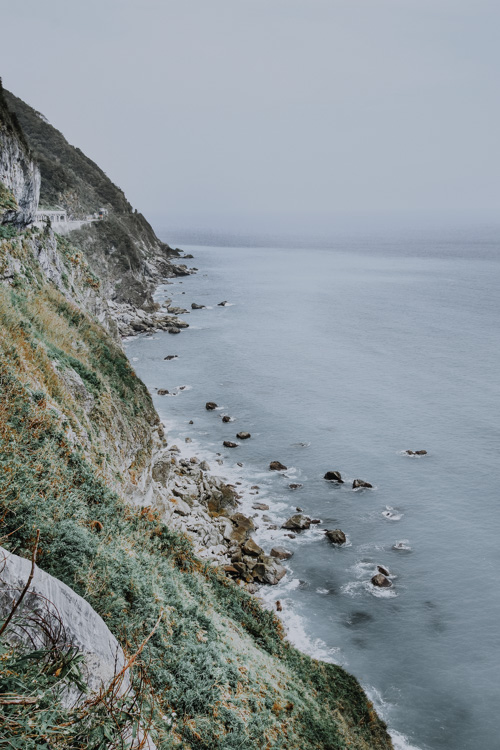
126, 539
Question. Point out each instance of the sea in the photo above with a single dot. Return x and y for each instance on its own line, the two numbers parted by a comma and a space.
341, 356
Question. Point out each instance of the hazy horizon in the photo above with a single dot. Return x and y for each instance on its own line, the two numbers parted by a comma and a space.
273, 115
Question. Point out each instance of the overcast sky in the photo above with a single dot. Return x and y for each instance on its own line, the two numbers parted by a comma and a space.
214, 112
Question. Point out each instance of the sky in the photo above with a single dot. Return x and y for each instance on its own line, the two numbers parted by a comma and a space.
271, 113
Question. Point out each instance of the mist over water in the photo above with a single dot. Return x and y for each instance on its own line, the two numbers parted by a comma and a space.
340, 358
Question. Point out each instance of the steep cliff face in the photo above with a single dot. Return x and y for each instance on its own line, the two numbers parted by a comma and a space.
19, 174
85, 461
123, 248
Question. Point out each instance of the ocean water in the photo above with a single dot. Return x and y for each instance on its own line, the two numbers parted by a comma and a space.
340, 358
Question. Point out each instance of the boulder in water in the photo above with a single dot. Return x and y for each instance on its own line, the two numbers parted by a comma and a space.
383, 570
243, 435
194, 306
361, 483
295, 486
226, 419
280, 553
381, 581
223, 303
334, 476
162, 392
298, 522
277, 466
336, 536
229, 444
210, 405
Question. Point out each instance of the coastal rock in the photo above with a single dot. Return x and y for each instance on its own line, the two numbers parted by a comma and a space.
222, 304
268, 571
381, 581
226, 419
336, 536
210, 405
174, 330
361, 483
204, 466
416, 453
229, 444
334, 476
169, 357
251, 548
297, 522
383, 570
194, 306
162, 392
277, 466
243, 435
295, 486
260, 506
281, 553
162, 470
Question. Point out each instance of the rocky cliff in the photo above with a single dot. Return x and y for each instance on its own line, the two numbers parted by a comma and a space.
130, 539
19, 174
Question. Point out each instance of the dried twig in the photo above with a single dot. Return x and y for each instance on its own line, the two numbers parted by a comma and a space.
28, 584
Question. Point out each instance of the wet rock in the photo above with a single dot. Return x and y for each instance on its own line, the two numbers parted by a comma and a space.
174, 330
361, 483
169, 357
255, 487
226, 419
229, 444
243, 435
295, 486
315, 520
251, 548
334, 476
174, 449
298, 522
416, 453
193, 460
241, 570
299, 510
239, 464
222, 304
194, 306
267, 519
290, 536
188, 440
383, 570
210, 405
336, 536
204, 466
281, 553
260, 506
190, 421
268, 572
381, 581
279, 608
277, 466
162, 392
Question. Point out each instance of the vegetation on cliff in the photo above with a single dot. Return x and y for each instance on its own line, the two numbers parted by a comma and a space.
77, 428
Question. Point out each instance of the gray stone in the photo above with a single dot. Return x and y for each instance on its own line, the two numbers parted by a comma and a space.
336, 536
281, 553
277, 466
298, 522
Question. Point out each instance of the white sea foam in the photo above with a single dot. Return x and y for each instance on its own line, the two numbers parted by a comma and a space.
392, 514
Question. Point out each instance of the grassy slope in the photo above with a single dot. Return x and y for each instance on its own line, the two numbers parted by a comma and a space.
218, 660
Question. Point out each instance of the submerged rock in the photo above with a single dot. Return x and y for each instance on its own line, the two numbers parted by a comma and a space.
336, 536
210, 405
334, 476
226, 419
361, 483
222, 304
169, 357
295, 486
281, 553
416, 453
277, 466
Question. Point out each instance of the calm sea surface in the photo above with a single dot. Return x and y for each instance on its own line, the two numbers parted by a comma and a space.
340, 359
